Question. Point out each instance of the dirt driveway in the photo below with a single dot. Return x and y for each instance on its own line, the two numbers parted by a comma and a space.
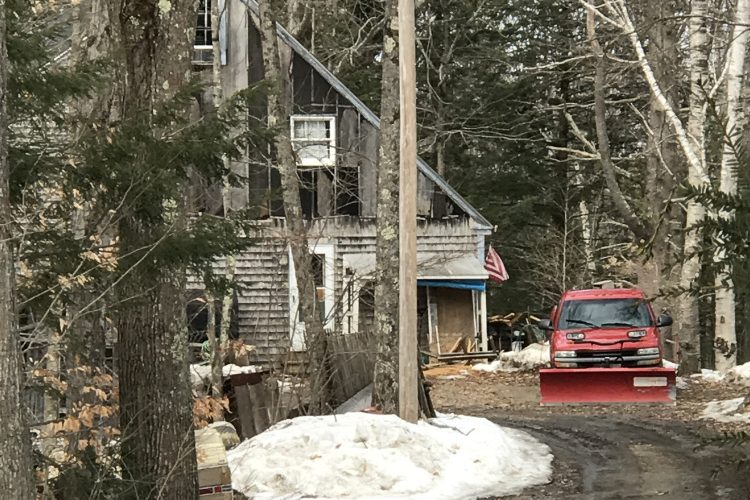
609, 452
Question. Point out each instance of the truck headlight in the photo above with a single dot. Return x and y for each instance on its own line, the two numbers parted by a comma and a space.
647, 350
576, 336
565, 354
637, 334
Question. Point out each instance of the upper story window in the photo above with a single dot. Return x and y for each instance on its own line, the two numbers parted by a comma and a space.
314, 140
203, 35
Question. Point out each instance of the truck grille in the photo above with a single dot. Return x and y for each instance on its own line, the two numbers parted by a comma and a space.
606, 354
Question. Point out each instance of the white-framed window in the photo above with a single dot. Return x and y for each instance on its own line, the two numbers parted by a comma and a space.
314, 140
203, 34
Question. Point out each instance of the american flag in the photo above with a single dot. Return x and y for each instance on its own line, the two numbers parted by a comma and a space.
495, 267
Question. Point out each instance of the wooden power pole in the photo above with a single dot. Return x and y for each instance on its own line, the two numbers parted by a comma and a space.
408, 408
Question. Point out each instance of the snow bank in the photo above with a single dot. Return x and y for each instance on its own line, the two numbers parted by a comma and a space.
359, 455
727, 410
533, 356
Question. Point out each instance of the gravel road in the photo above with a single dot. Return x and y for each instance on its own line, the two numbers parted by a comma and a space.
608, 452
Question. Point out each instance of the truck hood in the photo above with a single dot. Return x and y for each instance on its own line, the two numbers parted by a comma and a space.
597, 336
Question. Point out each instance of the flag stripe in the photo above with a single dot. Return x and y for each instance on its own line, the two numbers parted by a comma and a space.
495, 267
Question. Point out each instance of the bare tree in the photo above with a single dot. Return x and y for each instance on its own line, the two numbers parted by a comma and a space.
725, 342
691, 138
385, 386
277, 65
16, 480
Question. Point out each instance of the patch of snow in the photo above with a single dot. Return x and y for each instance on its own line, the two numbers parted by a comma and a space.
533, 356
232, 369
358, 402
669, 364
708, 375
359, 455
681, 382
726, 411
740, 374
451, 377
200, 373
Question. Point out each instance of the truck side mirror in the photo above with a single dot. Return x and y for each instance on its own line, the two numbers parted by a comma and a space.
664, 320
545, 324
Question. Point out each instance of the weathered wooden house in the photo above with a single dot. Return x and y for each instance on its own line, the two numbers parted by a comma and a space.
336, 139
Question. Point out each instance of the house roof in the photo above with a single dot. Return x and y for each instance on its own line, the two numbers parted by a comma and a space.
371, 117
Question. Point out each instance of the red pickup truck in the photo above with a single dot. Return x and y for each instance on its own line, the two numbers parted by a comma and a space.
604, 328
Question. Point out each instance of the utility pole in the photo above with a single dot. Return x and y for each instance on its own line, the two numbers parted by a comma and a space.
408, 408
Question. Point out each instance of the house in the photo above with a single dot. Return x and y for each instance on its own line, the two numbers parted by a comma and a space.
336, 139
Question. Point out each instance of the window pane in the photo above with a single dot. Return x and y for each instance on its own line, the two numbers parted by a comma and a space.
318, 152
300, 129
318, 130
203, 24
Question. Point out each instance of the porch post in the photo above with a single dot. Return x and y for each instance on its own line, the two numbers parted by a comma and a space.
483, 318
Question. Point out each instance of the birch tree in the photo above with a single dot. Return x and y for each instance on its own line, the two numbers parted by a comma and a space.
725, 341
16, 480
688, 314
691, 138
385, 385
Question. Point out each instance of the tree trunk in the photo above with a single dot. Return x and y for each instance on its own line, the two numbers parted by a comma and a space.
660, 271
624, 209
725, 342
279, 109
385, 385
16, 479
688, 328
155, 400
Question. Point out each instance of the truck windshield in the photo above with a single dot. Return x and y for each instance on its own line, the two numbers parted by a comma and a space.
604, 312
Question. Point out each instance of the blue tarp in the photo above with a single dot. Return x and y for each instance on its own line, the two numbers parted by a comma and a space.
478, 285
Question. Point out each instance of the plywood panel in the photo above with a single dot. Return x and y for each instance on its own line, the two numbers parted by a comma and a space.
455, 315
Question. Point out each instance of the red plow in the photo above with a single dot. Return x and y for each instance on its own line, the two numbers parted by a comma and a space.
607, 386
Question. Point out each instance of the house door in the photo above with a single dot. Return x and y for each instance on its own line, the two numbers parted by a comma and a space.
323, 272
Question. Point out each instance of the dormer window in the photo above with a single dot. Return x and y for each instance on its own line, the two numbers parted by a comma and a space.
203, 35
314, 140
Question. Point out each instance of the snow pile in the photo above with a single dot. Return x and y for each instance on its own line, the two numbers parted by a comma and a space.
708, 375
531, 357
359, 455
739, 374
728, 410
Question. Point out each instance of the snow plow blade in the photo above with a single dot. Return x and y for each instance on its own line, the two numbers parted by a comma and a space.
565, 386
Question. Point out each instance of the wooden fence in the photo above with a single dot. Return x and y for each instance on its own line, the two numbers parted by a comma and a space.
351, 359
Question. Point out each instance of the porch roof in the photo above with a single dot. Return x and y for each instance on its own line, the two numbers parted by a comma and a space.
430, 266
